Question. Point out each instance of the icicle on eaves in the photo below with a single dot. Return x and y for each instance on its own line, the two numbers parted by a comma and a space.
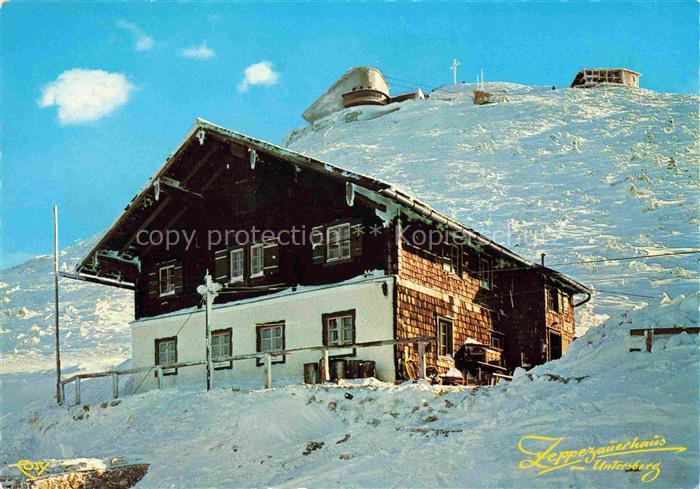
253, 158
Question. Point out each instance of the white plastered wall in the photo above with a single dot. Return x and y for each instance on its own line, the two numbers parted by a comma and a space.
301, 313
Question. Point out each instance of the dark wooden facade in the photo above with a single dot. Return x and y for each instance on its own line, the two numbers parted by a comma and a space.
275, 198
219, 193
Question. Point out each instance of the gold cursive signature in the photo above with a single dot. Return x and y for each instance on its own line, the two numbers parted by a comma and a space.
544, 455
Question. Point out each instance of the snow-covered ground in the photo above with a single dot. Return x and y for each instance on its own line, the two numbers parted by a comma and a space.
382, 435
577, 174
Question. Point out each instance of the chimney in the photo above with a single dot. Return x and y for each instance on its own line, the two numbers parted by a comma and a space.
542, 255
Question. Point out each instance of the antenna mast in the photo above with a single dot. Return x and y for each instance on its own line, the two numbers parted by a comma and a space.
455, 64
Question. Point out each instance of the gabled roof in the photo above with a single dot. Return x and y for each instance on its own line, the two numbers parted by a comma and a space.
389, 197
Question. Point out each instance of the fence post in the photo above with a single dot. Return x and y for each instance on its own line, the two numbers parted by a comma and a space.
63, 392
421, 359
326, 368
115, 385
648, 339
159, 372
267, 380
77, 391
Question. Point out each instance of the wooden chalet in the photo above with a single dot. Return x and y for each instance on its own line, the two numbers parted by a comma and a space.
359, 270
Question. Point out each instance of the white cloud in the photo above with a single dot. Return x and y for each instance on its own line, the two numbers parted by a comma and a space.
142, 41
198, 52
258, 74
86, 95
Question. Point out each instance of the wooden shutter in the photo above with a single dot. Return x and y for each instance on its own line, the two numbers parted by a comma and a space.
324, 329
221, 266
356, 231
153, 285
271, 258
177, 278
318, 244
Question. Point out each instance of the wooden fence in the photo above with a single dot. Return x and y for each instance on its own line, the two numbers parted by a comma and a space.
650, 333
265, 357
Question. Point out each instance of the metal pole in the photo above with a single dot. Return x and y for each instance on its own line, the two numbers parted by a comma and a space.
59, 397
209, 290
209, 299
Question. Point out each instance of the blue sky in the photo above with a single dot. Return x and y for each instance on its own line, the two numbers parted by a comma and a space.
158, 66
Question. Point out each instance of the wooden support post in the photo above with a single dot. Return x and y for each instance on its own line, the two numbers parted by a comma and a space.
77, 391
421, 359
326, 372
115, 385
159, 373
59, 397
267, 380
648, 340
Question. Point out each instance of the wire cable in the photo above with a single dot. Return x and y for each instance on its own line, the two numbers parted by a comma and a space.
187, 319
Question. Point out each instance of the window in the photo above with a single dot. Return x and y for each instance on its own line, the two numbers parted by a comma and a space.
271, 339
553, 299
338, 239
444, 334
166, 353
166, 280
221, 348
486, 273
339, 328
494, 340
256, 260
236, 265
452, 259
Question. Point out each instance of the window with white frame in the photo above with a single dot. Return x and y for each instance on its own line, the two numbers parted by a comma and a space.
166, 354
257, 267
444, 334
166, 280
270, 340
237, 265
220, 344
338, 242
340, 328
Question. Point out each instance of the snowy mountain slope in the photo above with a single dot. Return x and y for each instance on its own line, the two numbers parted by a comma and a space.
382, 435
94, 318
577, 174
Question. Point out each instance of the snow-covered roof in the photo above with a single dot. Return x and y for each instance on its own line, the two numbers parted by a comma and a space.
390, 197
610, 69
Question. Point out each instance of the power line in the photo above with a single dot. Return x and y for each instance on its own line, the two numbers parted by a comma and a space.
187, 319
425, 85
597, 260
598, 291
622, 258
